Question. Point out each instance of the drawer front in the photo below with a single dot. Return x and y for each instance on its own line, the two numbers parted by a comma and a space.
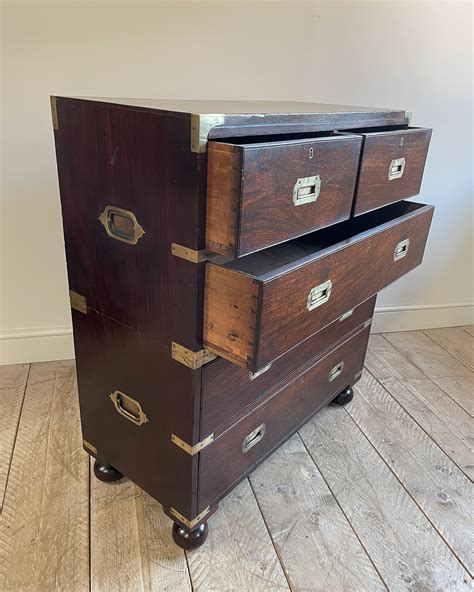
391, 168
228, 389
262, 194
252, 319
238, 450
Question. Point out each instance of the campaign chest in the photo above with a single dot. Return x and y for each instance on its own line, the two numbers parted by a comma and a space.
223, 261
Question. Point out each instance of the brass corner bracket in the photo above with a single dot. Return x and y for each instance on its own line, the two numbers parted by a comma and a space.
194, 521
192, 450
201, 124
78, 302
54, 112
191, 359
188, 254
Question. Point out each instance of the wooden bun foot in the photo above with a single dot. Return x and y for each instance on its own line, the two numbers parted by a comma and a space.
106, 472
344, 397
190, 540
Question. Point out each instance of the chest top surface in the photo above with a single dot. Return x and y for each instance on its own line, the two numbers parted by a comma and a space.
213, 119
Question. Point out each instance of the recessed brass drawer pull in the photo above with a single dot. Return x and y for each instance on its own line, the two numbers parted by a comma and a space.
346, 315
253, 438
401, 249
306, 190
129, 408
121, 225
396, 168
319, 295
336, 371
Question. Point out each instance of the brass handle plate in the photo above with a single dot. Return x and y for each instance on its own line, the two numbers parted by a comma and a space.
396, 168
129, 408
306, 190
121, 225
336, 371
401, 249
253, 438
319, 295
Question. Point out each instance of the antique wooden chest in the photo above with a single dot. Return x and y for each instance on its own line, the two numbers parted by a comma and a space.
223, 262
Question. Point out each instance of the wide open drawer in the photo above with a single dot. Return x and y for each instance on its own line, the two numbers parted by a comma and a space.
263, 193
235, 452
392, 166
259, 307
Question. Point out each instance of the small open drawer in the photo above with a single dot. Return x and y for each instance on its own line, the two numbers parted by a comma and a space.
392, 165
260, 193
258, 307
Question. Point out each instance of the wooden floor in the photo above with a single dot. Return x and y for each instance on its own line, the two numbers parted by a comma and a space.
373, 496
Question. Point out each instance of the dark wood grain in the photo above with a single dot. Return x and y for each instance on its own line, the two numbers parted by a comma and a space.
109, 357
139, 161
223, 464
359, 262
374, 188
250, 190
228, 389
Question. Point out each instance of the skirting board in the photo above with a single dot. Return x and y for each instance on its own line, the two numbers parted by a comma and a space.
18, 346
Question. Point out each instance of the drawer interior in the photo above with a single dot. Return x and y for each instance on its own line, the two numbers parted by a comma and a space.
281, 258
261, 306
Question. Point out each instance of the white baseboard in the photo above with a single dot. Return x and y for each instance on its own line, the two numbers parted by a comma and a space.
36, 344
388, 319
43, 344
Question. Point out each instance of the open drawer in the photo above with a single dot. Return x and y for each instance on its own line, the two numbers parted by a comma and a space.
258, 307
260, 193
392, 165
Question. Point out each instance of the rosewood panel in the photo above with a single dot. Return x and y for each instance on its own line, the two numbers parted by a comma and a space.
223, 463
139, 161
262, 193
228, 389
391, 168
111, 357
335, 269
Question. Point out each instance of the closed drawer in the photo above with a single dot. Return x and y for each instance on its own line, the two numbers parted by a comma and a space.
259, 307
228, 389
391, 167
263, 193
234, 453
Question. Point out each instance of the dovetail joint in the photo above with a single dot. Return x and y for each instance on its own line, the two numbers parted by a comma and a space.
192, 450
194, 521
191, 359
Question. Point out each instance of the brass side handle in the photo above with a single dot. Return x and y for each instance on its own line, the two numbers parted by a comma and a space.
396, 168
128, 408
319, 295
401, 249
336, 371
253, 438
121, 225
306, 190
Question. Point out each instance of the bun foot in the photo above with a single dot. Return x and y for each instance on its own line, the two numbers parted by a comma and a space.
190, 540
106, 472
344, 397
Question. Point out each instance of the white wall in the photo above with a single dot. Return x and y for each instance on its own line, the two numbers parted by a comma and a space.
410, 55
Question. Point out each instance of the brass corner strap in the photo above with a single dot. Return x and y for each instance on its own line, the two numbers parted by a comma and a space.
192, 450
194, 521
201, 124
89, 446
78, 301
54, 112
188, 254
191, 359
